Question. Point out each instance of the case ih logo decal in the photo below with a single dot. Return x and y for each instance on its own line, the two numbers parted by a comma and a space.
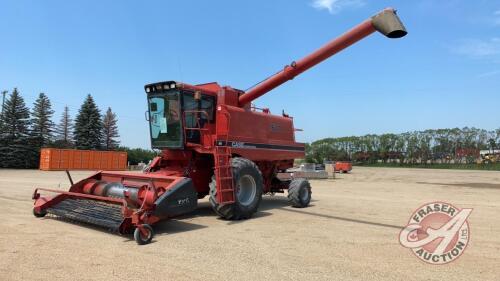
239, 144
437, 232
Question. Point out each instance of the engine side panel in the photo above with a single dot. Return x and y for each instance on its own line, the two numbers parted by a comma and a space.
261, 136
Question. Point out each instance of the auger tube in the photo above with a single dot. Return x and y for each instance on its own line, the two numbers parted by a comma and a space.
385, 22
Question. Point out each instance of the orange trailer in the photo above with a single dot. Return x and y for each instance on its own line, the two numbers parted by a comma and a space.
52, 159
343, 167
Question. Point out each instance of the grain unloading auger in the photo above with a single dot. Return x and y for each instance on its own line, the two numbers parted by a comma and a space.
213, 143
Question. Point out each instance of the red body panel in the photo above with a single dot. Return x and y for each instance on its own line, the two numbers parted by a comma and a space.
262, 136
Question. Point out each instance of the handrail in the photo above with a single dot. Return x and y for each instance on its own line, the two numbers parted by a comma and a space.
198, 128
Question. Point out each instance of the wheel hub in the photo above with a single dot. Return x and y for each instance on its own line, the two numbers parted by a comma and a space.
304, 194
246, 190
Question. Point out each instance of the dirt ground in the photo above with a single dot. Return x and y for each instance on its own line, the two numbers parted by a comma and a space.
350, 232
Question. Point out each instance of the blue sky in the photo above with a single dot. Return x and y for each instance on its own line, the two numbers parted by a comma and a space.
445, 73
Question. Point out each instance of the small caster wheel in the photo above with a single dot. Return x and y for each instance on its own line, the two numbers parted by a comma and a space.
40, 214
143, 234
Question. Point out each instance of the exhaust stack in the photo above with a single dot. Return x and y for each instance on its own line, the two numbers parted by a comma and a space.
386, 22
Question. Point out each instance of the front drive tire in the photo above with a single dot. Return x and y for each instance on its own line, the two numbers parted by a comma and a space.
299, 193
248, 185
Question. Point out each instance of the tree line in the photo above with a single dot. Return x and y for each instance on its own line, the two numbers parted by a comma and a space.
23, 132
418, 147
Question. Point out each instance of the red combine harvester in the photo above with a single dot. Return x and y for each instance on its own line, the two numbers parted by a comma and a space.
213, 143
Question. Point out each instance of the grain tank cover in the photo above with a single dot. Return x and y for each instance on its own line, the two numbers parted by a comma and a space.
389, 24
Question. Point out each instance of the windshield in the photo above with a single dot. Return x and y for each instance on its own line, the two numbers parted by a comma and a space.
165, 120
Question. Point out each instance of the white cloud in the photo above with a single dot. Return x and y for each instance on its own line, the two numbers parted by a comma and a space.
496, 18
489, 74
335, 6
478, 47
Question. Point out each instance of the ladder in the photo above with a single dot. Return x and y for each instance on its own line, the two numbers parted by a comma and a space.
223, 169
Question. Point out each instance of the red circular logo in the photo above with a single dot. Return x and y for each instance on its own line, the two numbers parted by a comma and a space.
437, 232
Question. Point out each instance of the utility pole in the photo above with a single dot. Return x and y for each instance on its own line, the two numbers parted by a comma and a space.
3, 100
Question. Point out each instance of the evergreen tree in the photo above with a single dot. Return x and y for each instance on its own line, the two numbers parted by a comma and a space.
16, 148
110, 130
4, 93
41, 120
88, 126
64, 130
15, 120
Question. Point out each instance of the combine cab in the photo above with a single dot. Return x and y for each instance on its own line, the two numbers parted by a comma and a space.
213, 143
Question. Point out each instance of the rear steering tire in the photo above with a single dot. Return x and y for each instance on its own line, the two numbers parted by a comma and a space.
299, 193
145, 236
248, 185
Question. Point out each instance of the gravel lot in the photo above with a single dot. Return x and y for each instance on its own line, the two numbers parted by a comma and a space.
350, 232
